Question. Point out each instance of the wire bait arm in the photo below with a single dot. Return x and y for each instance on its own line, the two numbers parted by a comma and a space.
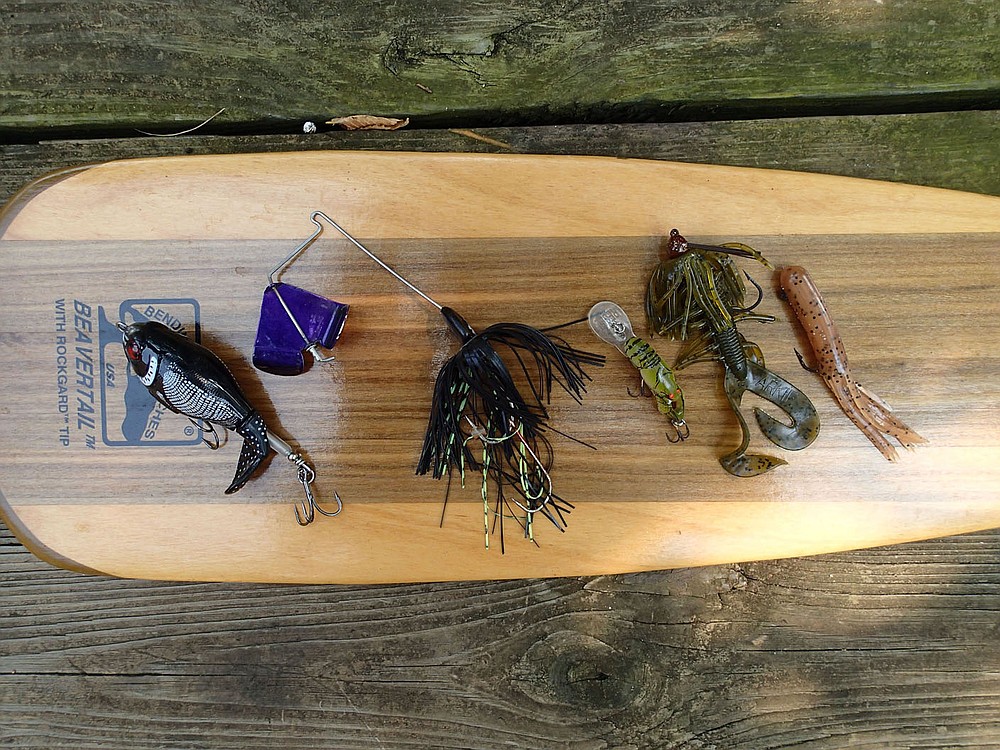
316, 215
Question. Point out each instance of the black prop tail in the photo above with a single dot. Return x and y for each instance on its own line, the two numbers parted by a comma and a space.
255, 450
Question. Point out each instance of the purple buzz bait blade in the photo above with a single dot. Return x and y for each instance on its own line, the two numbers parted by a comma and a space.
292, 322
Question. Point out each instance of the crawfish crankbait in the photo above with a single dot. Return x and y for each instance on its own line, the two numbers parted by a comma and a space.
190, 379
697, 294
610, 323
869, 413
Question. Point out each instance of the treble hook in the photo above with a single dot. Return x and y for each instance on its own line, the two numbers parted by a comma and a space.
204, 426
681, 431
309, 506
306, 475
643, 389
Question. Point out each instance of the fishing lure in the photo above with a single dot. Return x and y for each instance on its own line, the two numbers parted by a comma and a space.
610, 323
294, 321
476, 400
697, 294
190, 379
869, 413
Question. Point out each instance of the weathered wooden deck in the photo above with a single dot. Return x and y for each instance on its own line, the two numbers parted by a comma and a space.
887, 648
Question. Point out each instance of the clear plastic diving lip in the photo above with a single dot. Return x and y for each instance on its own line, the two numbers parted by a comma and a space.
610, 323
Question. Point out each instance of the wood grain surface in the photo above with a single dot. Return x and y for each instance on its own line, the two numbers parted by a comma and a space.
892, 648
196, 228
888, 648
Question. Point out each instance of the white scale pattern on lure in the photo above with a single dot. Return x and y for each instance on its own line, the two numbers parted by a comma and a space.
191, 397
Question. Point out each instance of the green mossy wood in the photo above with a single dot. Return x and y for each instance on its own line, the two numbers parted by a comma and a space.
113, 65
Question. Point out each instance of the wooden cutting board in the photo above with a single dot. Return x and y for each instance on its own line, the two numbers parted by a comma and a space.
910, 274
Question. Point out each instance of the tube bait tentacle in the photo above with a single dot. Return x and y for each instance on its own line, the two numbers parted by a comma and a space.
868, 412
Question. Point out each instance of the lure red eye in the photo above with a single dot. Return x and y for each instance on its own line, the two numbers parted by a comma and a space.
134, 350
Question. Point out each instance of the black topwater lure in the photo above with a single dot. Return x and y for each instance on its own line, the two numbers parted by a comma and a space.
697, 294
190, 379
481, 420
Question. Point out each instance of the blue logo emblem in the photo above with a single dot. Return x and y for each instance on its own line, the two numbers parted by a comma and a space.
129, 413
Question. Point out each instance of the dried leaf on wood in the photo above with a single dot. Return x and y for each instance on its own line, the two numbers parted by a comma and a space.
368, 122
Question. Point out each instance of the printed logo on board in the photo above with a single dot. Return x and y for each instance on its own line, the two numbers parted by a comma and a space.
129, 413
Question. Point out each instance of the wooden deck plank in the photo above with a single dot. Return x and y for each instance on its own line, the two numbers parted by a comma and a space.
121, 63
890, 648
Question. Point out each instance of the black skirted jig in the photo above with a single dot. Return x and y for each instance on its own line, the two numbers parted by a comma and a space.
481, 420
697, 294
190, 379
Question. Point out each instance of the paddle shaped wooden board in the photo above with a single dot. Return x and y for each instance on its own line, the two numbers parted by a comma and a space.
92, 479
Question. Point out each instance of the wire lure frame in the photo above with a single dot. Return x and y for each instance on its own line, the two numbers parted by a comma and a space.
477, 399
294, 321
